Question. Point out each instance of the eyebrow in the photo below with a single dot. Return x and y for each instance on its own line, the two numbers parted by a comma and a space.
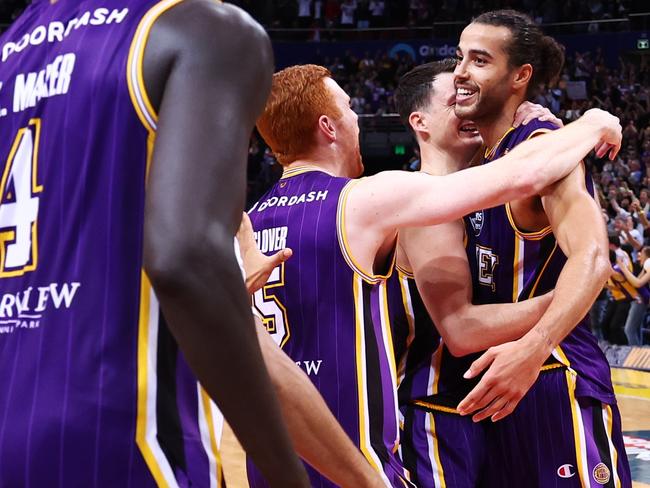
476, 52
480, 52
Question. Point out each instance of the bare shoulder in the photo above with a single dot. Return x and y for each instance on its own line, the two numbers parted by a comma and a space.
205, 27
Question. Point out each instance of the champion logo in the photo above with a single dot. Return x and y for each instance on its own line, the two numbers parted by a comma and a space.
601, 474
566, 471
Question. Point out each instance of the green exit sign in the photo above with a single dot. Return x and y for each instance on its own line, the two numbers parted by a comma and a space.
400, 150
643, 44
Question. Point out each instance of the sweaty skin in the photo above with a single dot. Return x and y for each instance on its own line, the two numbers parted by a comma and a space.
566, 206
207, 101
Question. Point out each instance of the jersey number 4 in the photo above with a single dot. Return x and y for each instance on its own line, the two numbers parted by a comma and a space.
270, 309
19, 202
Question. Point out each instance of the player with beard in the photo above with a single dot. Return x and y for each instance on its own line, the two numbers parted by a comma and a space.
567, 430
319, 306
430, 297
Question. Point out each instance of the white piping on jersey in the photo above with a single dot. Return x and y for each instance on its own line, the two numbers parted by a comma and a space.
151, 430
362, 385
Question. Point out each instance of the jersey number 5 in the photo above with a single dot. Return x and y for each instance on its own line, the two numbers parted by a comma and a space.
270, 309
19, 202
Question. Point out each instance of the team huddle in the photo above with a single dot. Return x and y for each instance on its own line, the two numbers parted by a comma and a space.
428, 330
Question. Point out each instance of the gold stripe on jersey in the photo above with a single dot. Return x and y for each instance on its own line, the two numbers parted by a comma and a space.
489, 151
578, 431
299, 170
387, 339
541, 273
134, 65
518, 268
344, 246
410, 318
439, 473
436, 361
529, 236
146, 431
212, 450
362, 388
406, 272
613, 453
433, 406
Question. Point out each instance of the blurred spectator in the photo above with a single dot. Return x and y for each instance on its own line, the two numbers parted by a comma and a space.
639, 306
348, 9
622, 294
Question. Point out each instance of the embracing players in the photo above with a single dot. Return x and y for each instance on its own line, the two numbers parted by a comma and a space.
517, 251
326, 306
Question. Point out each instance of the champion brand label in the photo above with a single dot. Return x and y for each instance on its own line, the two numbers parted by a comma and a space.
566, 471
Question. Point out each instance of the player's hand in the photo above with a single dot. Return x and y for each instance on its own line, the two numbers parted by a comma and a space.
528, 111
258, 267
612, 132
512, 369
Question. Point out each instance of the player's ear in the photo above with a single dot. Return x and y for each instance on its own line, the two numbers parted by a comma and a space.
418, 122
326, 127
523, 74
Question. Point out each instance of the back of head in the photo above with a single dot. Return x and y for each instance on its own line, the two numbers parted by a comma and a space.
528, 45
415, 88
298, 98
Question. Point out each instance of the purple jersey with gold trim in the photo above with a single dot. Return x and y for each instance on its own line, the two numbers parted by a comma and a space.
327, 315
510, 265
93, 389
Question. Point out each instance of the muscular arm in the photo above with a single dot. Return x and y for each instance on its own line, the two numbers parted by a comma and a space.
208, 99
439, 262
576, 220
513, 367
317, 436
378, 205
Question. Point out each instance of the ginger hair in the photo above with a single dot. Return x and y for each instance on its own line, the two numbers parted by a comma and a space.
298, 98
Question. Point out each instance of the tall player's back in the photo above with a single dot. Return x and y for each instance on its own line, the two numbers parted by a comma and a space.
82, 401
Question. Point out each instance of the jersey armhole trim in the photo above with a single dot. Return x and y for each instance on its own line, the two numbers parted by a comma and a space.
344, 246
406, 272
134, 72
529, 236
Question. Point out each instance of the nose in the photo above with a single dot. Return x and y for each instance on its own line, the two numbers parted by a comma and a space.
460, 72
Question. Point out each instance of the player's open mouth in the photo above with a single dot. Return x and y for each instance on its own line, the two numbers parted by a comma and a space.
468, 128
464, 94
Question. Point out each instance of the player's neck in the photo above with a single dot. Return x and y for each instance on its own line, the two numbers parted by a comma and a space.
493, 128
329, 167
437, 162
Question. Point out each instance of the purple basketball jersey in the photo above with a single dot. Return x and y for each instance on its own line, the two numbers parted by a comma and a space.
328, 316
509, 265
94, 391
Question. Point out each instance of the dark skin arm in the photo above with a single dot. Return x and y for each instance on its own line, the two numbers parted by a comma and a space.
207, 69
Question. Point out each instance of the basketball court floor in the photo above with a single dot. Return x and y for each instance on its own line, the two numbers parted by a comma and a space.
633, 392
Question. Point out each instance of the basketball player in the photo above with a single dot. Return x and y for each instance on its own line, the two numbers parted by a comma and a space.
432, 285
555, 239
318, 306
97, 98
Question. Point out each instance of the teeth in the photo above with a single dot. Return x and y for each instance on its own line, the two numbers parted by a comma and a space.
463, 91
